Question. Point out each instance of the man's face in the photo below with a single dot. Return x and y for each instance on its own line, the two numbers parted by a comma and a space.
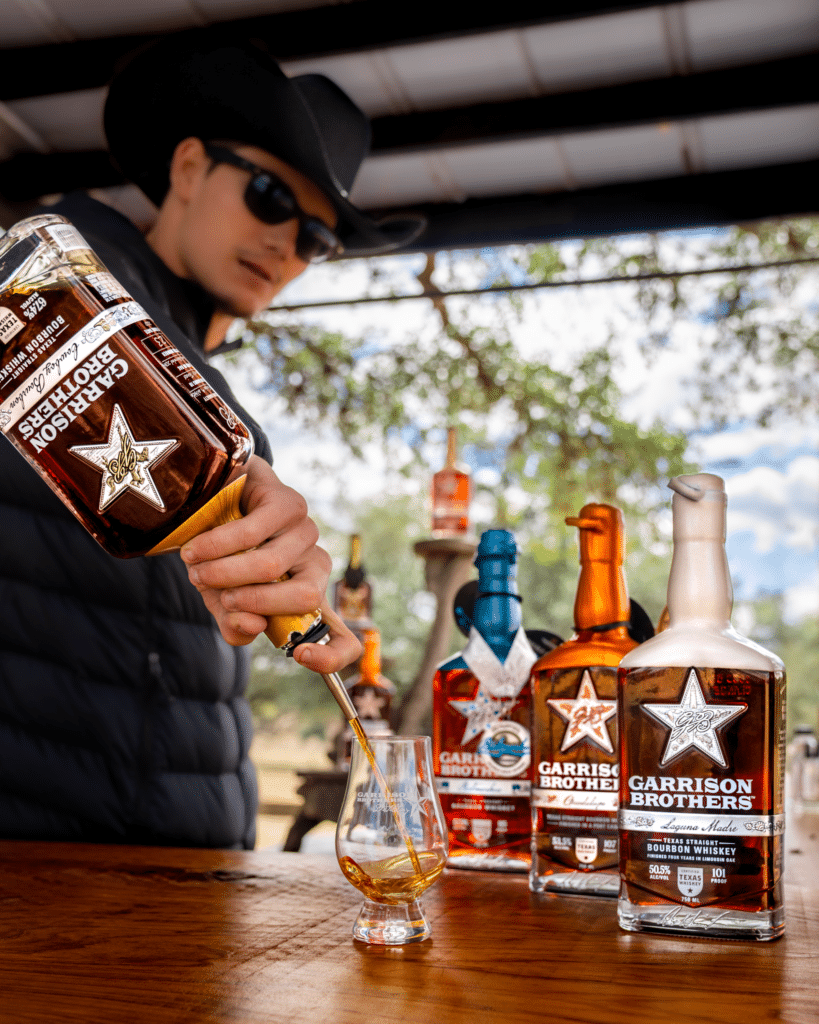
241, 261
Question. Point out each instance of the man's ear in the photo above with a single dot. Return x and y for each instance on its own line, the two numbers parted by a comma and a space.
189, 164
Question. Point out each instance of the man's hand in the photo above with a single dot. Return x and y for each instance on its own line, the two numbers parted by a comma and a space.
235, 567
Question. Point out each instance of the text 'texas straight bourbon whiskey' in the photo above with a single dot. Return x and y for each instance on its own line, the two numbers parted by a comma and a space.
702, 751
574, 724
93, 394
481, 741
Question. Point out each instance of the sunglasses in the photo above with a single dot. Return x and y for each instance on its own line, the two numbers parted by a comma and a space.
272, 202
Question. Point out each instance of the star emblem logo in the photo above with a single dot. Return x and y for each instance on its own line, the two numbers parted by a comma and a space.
125, 462
479, 713
586, 715
368, 704
694, 722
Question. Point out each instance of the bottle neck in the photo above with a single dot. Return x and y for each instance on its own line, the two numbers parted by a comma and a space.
354, 573
602, 598
497, 615
451, 448
699, 586
371, 658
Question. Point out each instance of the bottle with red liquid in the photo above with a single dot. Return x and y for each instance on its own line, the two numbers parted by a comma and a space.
450, 493
106, 409
481, 741
574, 723
702, 751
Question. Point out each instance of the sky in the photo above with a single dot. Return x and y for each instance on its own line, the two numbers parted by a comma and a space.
771, 475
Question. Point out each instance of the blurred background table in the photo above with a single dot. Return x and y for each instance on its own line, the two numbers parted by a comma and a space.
104, 934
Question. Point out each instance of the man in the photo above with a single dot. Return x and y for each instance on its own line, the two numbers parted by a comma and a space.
122, 716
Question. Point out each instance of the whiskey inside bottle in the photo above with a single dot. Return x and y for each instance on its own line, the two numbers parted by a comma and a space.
702, 809
574, 783
488, 813
574, 723
106, 409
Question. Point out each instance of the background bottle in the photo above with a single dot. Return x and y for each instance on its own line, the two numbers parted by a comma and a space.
353, 593
702, 751
481, 742
450, 493
802, 746
371, 693
574, 723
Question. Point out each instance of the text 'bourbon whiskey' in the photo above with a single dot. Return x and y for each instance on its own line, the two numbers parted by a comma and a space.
574, 724
92, 393
702, 730
481, 739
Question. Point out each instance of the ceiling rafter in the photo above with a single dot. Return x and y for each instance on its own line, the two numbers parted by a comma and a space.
352, 27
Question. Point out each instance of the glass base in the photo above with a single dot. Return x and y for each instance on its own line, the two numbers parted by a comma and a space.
711, 922
386, 924
577, 883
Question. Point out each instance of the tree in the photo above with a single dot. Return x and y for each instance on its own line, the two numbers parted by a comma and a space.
756, 349
546, 429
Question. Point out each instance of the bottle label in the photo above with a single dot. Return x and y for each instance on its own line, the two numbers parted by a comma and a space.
701, 790
483, 750
575, 778
114, 418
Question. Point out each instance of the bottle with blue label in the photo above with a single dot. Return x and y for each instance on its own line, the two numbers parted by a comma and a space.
481, 710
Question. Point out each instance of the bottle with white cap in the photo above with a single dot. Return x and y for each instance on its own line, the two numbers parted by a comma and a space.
701, 712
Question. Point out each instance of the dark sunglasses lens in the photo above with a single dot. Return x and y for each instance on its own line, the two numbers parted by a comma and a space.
269, 200
315, 242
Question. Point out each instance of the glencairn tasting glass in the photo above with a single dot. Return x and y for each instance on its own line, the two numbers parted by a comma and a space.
391, 839
93, 394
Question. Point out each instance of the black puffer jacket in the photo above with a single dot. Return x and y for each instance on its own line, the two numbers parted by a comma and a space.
122, 715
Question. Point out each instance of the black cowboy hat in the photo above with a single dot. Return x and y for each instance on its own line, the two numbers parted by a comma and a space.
208, 85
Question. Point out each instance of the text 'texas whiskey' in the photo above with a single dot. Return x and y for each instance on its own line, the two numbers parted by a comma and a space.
702, 751
481, 742
574, 724
93, 394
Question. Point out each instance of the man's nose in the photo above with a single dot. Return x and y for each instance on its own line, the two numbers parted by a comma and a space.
281, 238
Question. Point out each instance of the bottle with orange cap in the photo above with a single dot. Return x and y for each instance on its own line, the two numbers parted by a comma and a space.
370, 692
574, 723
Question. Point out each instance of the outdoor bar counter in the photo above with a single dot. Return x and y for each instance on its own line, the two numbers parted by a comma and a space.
98, 934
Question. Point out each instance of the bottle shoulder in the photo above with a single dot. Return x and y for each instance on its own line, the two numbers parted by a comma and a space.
454, 663
686, 645
577, 652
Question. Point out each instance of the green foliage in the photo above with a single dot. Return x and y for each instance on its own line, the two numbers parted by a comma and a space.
798, 646
747, 322
551, 431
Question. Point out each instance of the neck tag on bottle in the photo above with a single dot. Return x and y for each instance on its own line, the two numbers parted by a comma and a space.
499, 678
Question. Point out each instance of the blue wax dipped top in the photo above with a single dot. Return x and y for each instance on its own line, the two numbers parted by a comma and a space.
497, 615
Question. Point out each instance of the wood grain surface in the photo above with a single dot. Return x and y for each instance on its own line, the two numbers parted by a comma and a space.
104, 934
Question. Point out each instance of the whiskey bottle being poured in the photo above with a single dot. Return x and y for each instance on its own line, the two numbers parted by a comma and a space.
110, 413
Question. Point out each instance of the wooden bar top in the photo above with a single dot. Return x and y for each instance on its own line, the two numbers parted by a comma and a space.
104, 934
